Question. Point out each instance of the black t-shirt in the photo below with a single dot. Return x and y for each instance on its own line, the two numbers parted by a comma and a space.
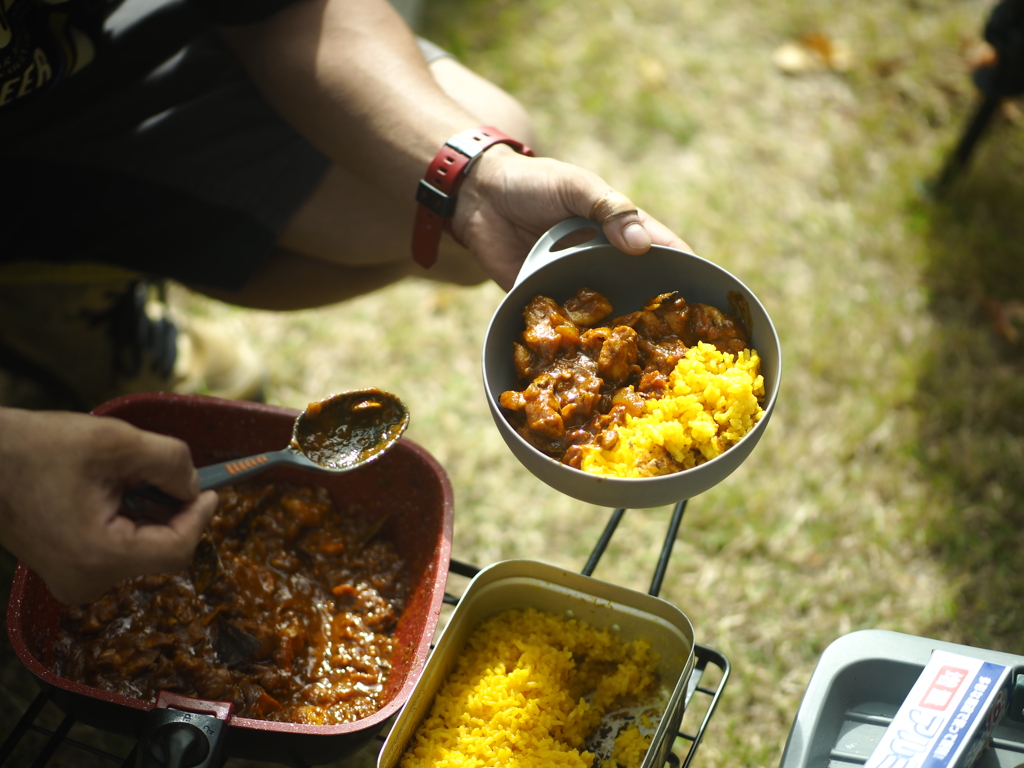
42, 43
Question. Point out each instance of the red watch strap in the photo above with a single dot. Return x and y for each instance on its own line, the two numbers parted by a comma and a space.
436, 192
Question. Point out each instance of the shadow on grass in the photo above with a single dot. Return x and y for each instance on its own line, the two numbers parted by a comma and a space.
971, 392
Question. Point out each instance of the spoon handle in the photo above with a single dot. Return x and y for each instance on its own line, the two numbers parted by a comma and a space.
219, 475
147, 502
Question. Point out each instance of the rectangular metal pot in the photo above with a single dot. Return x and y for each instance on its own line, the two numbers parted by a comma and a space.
525, 584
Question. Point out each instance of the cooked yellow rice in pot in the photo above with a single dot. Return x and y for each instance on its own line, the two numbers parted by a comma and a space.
713, 400
527, 691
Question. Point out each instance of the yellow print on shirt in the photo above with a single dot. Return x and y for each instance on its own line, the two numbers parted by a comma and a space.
38, 45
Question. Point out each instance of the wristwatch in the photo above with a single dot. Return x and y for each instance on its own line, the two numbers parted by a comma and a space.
437, 190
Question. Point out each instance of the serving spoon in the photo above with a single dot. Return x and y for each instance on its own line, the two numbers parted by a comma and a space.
337, 434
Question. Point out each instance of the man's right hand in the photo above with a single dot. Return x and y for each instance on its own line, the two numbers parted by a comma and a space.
62, 479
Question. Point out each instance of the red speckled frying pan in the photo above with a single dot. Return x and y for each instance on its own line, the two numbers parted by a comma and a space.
407, 484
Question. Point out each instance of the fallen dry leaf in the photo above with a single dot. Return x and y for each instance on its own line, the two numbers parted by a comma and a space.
1005, 316
814, 52
978, 54
653, 73
890, 66
1011, 111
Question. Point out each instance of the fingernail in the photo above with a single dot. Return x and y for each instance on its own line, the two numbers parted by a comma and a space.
636, 236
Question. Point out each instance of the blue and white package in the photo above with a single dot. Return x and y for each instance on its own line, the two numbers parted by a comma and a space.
947, 718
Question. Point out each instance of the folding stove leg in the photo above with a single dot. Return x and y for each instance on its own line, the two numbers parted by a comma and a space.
23, 725
56, 739
27, 722
958, 160
666, 550
602, 543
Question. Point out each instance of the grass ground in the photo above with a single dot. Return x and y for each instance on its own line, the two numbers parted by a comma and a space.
887, 491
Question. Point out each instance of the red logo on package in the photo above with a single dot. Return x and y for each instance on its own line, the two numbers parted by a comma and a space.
943, 688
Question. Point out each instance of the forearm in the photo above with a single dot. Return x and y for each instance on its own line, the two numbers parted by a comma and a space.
350, 77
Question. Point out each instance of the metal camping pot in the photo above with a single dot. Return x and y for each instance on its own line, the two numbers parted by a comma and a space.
626, 281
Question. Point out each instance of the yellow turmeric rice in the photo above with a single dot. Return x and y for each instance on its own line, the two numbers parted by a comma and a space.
527, 691
713, 400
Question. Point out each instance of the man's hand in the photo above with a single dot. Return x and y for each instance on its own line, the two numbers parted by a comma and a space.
508, 201
62, 477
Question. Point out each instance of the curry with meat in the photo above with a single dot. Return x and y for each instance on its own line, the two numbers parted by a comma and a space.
288, 611
580, 375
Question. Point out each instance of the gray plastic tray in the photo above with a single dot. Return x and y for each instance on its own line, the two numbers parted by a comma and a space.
858, 685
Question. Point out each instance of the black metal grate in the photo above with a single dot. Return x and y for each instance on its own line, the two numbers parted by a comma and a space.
707, 660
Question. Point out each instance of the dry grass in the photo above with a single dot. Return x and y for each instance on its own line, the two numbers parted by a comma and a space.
888, 489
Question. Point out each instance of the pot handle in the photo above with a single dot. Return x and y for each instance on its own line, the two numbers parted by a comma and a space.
183, 732
541, 252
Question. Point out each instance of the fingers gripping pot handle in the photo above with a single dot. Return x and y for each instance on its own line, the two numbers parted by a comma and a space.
542, 252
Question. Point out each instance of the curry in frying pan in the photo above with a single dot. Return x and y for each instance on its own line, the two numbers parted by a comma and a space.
288, 611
